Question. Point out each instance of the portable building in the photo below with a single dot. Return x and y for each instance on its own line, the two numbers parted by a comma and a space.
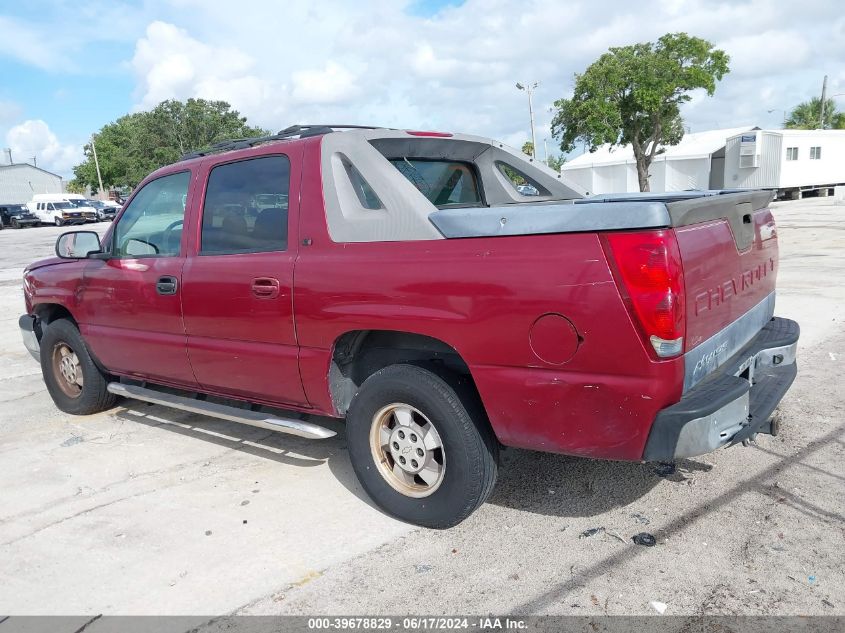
697, 162
791, 161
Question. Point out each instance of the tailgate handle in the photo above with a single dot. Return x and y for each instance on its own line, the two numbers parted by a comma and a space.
746, 219
265, 287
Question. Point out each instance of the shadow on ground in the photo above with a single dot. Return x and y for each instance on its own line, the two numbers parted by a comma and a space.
289, 450
558, 485
543, 483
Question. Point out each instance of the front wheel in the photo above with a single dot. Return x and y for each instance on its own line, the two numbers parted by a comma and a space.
15, 224
421, 446
74, 382
58, 221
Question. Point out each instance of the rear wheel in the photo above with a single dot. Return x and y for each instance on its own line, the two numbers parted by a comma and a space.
73, 380
421, 446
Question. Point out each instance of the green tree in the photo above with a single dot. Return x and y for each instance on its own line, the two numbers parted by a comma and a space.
135, 144
807, 116
528, 148
555, 162
632, 94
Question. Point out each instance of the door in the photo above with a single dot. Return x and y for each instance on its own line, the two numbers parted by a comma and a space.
237, 285
133, 312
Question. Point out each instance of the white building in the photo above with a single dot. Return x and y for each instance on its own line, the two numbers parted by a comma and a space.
19, 182
697, 162
791, 161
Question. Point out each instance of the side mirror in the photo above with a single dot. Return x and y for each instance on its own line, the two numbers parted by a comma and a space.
77, 244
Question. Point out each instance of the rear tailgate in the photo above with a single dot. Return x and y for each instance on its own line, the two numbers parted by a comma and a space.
729, 250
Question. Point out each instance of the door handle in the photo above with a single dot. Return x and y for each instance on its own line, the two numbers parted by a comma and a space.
265, 287
167, 285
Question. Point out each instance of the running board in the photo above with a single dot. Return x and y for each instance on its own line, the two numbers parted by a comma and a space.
233, 414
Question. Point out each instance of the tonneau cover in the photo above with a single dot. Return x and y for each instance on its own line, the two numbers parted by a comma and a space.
605, 213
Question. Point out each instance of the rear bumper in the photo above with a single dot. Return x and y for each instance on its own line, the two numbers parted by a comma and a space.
734, 403
30, 339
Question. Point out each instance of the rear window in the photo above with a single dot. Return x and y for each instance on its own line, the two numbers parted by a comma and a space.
444, 183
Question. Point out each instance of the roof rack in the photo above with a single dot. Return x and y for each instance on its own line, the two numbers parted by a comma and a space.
301, 131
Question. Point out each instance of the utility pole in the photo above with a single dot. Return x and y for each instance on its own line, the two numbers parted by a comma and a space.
824, 96
545, 151
96, 164
8, 150
34, 162
529, 88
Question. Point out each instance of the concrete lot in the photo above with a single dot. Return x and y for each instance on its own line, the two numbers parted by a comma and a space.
147, 510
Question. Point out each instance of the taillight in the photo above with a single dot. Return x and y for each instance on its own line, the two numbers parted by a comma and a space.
648, 265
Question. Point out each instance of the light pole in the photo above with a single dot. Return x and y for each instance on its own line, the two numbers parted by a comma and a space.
97, 164
529, 88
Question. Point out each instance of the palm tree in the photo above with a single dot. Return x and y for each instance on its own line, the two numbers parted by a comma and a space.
807, 115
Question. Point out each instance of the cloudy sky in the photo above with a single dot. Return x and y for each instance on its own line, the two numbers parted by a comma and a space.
69, 67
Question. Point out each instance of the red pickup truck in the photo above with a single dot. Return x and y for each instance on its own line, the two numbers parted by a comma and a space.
400, 280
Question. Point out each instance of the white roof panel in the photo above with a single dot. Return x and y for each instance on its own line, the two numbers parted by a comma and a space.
693, 145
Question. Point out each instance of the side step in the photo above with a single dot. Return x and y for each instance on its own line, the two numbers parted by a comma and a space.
233, 414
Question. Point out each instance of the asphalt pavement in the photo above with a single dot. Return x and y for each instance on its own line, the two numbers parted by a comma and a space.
146, 510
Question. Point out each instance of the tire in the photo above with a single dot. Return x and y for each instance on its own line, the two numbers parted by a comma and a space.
58, 221
459, 474
15, 224
62, 340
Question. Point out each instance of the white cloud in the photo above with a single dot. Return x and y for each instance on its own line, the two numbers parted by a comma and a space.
28, 44
169, 64
332, 84
34, 138
372, 62
771, 52
57, 40
377, 62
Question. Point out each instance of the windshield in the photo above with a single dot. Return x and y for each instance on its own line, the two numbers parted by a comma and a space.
444, 183
82, 203
63, 205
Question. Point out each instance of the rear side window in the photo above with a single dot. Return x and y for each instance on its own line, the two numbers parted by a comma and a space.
444, 183
246, 207
522, 184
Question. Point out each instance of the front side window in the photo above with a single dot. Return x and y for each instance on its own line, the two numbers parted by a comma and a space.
444, 183
246, 207
791, 153
151, 226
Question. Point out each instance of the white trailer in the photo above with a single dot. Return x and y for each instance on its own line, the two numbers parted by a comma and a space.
793, 162
697, 162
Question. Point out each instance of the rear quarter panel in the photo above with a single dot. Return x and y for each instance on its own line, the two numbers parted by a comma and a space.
481, 296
